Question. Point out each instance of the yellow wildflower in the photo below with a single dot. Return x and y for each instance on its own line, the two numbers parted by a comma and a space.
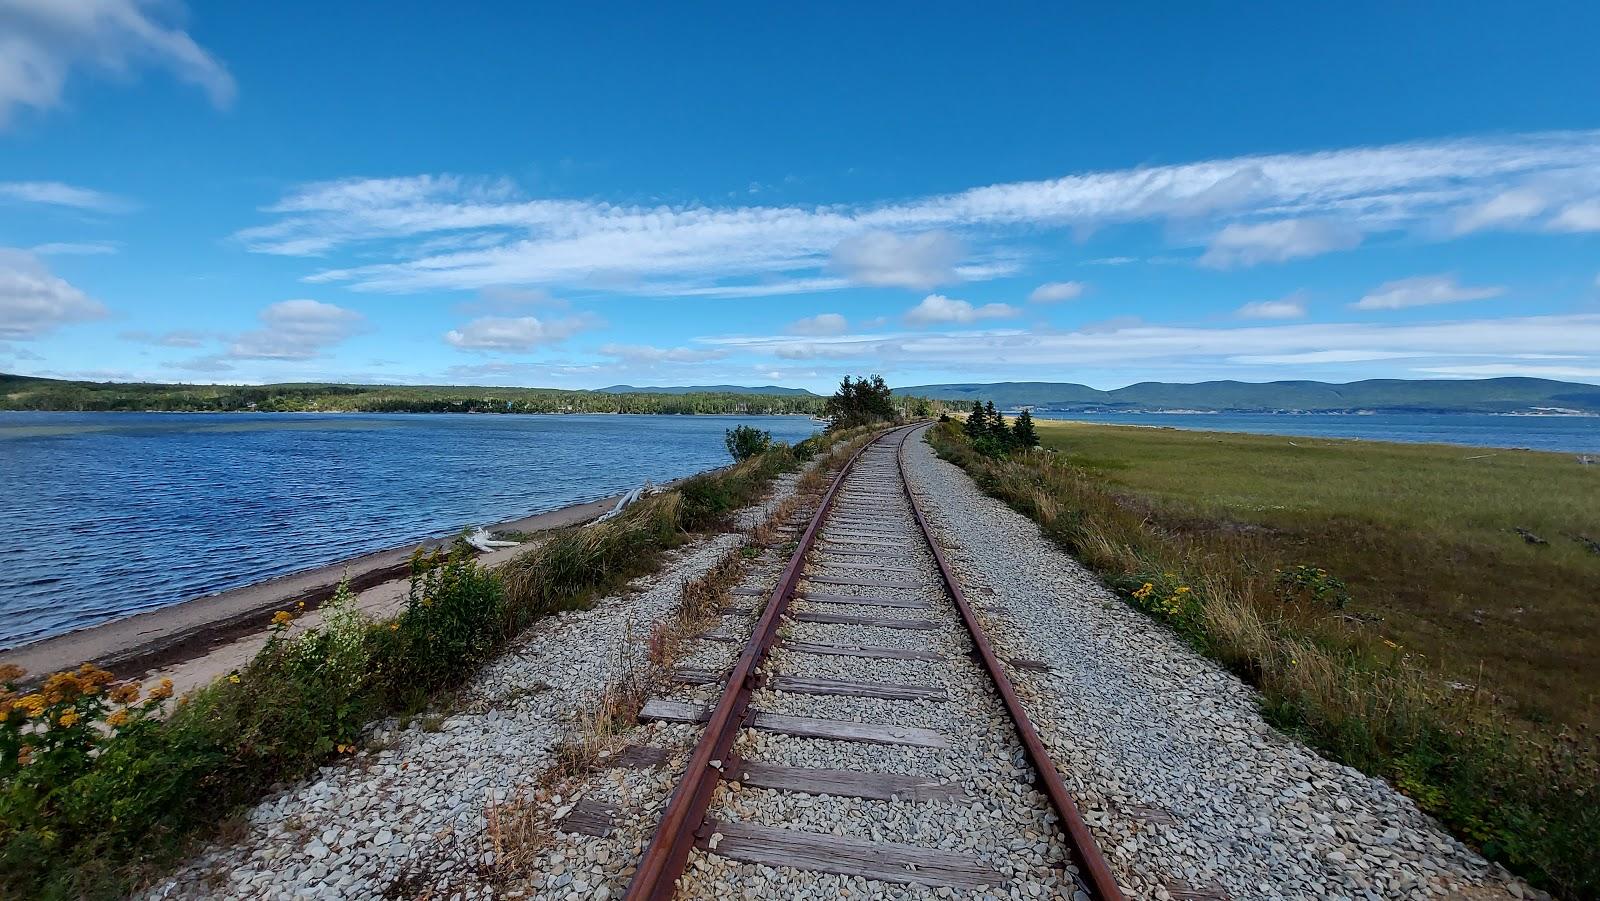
34, 704
282, 618
394, 627
69, 718
126, 693
234, 678
61, 687
10, 672
162, 691
93, 678
1183, 589
118, 719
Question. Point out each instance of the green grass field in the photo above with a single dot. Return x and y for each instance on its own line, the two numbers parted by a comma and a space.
1380, 597
1424, 535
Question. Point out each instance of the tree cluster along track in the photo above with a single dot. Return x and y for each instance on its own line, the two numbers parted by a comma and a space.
878, 736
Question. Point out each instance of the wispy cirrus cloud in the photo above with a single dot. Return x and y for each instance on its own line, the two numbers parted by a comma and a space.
59, 194
820, 324
1425, 290
1291, 307
1056, 292
43, 42
1243, 211
1136, 347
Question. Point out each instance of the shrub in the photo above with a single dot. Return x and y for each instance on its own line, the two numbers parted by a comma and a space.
860, 402
451, 621
745, 441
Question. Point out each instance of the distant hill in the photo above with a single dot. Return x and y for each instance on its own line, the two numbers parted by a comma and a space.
708, 389
1503, 395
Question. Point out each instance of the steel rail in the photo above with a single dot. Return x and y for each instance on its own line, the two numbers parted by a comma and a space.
1099, 877
668, 853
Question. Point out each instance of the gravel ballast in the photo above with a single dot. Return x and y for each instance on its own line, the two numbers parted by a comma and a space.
1180, 778
407, 815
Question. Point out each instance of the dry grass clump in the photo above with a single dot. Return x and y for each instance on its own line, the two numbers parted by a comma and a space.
1269, 603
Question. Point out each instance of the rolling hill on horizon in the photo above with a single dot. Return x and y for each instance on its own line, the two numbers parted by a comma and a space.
1497, 395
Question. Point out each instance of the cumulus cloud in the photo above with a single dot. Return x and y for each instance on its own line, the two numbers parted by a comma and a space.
1422, 291
936, 308
35, 302
1276, 242
820, 324
885, 259
1291, 307
515, 334
1056, 292
297, 330
42, 42
55, 193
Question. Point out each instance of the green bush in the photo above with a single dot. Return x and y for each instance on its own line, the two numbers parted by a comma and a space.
451, 621
745, 441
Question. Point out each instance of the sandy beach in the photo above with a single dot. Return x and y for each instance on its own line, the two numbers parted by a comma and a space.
194, 641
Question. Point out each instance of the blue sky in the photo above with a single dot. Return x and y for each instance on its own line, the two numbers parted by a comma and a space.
499, 194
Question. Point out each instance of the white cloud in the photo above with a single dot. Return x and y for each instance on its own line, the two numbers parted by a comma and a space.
1291, 307
1112, 261
1137, 347
174, 338
1421, 291
1583, 216
885, 259
1276, 242
1313, 357
1509, 208
644, 353
297, 330
515, 333
937, 308
34, 302
69, 248
55, 193
1329, 199
1491, 370
1055, 292
820, 324
43, 41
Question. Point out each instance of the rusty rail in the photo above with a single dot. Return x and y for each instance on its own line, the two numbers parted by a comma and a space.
668, 852
1101, 883
683, 820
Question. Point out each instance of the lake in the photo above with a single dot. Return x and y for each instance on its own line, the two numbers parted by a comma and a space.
107, 514
1577, 434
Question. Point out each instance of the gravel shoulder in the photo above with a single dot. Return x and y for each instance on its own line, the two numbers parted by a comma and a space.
1182, 781
407, 815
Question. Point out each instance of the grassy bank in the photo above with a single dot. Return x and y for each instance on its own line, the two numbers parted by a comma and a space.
1379, 595
103, 784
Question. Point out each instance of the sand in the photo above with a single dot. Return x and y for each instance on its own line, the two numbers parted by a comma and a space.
195, 641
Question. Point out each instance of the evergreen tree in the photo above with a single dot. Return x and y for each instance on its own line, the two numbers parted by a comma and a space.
997, 425
1023, 432
976, 423
861, 402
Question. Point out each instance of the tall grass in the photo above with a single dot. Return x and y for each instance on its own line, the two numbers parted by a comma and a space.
146, 788
1527, 800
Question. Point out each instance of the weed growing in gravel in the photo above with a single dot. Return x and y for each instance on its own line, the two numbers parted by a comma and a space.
1526, 799
99, 791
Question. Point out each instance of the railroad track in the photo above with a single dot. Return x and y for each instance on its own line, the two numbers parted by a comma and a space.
867, 729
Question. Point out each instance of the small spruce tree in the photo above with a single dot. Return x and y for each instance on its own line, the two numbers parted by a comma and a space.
1023, 432
997, 425
976, 423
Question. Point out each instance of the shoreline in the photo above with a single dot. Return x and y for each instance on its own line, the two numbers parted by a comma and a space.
132, 645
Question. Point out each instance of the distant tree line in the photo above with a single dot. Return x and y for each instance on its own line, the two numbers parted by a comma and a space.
861, 401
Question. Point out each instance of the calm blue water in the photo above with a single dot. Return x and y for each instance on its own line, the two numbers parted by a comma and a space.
106, 514
1579, 434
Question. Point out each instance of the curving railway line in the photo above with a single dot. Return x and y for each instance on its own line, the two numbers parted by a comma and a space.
868, 729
